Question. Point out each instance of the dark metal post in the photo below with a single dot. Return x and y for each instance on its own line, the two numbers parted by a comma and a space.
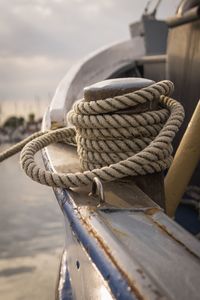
153, 184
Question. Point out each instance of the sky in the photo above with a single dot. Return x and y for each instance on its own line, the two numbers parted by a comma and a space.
41, 39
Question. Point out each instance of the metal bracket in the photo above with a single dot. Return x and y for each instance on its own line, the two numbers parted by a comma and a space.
97, 190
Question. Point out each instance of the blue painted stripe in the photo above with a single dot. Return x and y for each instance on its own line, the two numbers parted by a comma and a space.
64, 288
111, 274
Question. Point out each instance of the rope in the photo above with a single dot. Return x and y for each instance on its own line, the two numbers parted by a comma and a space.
111, 143
19, 146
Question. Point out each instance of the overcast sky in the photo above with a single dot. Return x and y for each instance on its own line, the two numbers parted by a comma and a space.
41, 39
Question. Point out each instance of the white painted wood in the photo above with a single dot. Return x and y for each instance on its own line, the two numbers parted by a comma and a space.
97, 66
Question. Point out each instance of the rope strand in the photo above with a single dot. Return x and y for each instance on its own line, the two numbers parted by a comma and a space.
19, 146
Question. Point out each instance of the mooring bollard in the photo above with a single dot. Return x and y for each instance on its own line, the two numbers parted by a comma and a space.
151, 184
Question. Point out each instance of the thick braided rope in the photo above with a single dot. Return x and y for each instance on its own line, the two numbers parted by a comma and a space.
104, 139
148, 143
19, 146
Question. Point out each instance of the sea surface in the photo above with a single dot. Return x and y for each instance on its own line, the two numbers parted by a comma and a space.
31, 236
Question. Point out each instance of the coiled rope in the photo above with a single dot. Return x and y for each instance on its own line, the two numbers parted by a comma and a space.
111, 144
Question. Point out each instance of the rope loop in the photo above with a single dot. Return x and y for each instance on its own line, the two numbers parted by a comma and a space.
111, 143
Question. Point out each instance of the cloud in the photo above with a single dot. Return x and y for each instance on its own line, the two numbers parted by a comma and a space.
64, 28
40, 39
22, 78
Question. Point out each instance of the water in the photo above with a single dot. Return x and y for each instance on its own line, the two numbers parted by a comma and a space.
31, 236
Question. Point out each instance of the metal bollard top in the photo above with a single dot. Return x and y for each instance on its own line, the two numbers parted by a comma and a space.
116, 87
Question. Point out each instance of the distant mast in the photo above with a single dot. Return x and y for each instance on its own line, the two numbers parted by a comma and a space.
0, 113
15, 108
37, 105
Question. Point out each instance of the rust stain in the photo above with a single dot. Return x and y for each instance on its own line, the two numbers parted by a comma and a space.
130, 282
132, 285
117, 231
151, 211
166, 231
